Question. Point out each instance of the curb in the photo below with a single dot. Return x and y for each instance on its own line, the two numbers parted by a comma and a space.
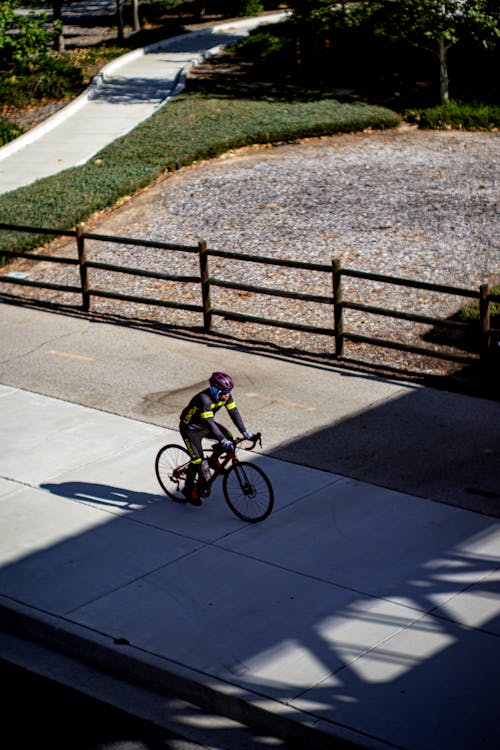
121, 659
100, 79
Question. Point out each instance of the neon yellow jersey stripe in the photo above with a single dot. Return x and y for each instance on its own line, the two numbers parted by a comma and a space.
207, 414
230, 406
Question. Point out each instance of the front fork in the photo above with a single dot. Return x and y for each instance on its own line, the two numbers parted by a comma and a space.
245, 485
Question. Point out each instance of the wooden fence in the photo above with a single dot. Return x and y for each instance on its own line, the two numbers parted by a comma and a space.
488, 336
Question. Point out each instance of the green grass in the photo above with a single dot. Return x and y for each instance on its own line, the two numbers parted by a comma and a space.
470, 313
457, 115
190, 128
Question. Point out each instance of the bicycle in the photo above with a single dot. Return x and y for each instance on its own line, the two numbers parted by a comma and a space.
247, 490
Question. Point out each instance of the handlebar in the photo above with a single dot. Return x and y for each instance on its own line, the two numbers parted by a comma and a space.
256, 439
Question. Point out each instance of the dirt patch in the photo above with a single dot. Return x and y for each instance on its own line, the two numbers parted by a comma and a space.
29, 117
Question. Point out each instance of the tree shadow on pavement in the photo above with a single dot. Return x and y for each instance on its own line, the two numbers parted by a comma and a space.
372, 610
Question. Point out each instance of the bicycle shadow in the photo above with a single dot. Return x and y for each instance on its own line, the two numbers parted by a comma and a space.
103, 494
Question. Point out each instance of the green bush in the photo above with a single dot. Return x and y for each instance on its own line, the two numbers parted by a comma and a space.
56, 78
190, 128
259, 46
456, 115
8, 131
250, 7
52, 76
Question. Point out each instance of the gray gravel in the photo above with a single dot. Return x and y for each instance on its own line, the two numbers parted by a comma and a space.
421, 205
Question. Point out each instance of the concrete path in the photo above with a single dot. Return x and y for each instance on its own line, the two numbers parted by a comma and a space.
355, 611
126, 92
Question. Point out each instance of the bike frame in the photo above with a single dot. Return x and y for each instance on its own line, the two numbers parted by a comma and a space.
222, 462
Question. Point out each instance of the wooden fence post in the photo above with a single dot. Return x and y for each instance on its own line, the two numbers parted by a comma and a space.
338, 316
205, 286
82, 261
484, 318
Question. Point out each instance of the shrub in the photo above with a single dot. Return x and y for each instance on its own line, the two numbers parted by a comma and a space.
262, 45
9, 131
52, 76
456, 115
250, 7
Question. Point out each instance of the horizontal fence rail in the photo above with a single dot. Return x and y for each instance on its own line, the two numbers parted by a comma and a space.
207, 282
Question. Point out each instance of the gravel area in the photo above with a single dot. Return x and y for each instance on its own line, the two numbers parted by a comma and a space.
407, 203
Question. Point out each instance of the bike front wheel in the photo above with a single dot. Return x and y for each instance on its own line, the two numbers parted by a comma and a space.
171, 466
248, 492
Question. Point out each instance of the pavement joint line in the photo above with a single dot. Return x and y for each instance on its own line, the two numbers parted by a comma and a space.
343, 586
18, 482
434, 611
147, 573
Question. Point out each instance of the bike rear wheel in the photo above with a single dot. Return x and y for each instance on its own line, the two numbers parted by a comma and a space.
248, 492
171, 465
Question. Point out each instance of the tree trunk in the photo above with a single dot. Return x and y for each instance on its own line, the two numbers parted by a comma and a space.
443, 73
59, 44
119, 20
135, 12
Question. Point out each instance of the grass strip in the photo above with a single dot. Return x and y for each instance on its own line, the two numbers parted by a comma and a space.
470, 313
190, 128
456, 115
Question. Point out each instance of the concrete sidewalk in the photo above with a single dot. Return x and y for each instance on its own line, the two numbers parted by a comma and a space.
353, 612
126, 92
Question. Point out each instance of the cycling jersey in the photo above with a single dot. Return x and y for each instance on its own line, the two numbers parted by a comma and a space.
199, 414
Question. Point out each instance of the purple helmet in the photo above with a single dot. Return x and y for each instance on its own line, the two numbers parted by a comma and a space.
221, 381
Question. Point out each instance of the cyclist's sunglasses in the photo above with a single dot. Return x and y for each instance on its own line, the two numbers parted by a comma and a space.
226, 390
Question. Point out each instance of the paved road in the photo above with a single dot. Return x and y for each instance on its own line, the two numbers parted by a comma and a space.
430, 443
61, 718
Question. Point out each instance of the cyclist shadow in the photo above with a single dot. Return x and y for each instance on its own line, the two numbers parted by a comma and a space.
103, 494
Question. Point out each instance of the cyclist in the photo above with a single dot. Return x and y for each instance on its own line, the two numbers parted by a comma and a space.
197, 421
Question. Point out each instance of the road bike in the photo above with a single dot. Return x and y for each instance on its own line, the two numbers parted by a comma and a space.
247, 489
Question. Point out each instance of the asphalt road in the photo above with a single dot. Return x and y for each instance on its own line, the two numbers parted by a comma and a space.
434, 444
37, 712
41, 712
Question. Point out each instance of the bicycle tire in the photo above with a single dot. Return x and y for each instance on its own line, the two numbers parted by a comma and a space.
248, 492
170, 459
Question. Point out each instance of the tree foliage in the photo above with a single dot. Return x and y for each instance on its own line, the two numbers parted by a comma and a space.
434, 25
21, 36
429, 20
